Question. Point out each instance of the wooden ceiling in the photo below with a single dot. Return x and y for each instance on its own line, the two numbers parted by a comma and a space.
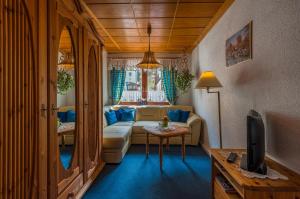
176, 24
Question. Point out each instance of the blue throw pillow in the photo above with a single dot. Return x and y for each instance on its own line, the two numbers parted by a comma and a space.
174, 115
119, 113
111, 117
184, 115
71, 116
128, 115
62, 116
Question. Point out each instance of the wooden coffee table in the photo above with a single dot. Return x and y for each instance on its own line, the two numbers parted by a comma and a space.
166, 134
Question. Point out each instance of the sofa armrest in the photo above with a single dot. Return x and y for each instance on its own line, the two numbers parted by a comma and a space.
194, 122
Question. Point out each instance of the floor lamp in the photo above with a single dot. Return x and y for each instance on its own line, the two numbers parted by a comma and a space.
206, 81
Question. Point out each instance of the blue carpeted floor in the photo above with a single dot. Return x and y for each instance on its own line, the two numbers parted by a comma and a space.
140, 178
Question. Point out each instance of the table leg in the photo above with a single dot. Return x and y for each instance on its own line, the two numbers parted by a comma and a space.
183, 147
161, 152
167, 145
63, 140
147, 145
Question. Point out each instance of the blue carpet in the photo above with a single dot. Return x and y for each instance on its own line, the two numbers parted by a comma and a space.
140, 178
65, 154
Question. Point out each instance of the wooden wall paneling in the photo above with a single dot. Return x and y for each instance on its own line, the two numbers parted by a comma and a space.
18, 102
91, 98
53, 40
2, 81
43, 98
85, 96
100, 102
81, 98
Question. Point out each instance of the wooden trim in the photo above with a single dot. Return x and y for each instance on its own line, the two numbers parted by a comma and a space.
212, 22
19, 97
89, 182
92, 15
43, 98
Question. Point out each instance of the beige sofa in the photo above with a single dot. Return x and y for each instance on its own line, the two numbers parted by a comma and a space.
118, 137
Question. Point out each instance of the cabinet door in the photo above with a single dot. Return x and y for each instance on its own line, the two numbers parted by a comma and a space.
92, 105
20, 153
65, 101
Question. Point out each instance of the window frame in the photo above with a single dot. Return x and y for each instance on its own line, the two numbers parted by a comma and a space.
144, 92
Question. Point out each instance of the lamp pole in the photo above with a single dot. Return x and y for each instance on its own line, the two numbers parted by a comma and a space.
219, 114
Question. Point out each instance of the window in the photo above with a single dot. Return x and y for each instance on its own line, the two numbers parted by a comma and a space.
133, 86
155, 86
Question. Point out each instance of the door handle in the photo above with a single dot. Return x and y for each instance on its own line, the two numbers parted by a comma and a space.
54, 108
43, 109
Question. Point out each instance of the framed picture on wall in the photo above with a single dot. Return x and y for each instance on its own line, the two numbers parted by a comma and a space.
239, 46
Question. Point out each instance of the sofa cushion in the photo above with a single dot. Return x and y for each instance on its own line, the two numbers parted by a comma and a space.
184, 116
128, 123
138, 126
70, 116
174, 115
148, 113
62, 116
165, 109
115, 137
181, 124
119, 113
111, 117
128, 115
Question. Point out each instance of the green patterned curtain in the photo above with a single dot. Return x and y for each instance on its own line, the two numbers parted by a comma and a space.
169, 75
117, 78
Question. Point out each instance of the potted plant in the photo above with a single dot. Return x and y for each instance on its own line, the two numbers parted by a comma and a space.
183, 81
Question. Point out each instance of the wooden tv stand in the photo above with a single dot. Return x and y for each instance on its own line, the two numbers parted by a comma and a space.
248, 188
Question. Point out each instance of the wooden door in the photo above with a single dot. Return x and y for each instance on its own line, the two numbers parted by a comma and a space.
22, 99
91, 100
61, 175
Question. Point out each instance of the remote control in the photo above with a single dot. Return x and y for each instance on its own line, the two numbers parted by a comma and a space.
232, 157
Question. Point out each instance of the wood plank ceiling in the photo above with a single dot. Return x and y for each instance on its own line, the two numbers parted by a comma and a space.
176, 24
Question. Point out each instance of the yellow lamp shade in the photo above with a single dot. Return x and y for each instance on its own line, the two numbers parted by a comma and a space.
208, 79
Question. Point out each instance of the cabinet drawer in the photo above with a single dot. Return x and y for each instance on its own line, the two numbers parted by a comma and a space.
72, 189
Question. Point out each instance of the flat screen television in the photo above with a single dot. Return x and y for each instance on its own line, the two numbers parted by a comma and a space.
254, 160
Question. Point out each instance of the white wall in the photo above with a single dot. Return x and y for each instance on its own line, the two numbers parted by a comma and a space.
269, 83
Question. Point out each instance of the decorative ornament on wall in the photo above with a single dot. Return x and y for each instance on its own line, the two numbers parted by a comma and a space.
65, 82
239, 46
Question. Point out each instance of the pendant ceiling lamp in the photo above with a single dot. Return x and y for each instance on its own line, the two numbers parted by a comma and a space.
66, 61
149, 61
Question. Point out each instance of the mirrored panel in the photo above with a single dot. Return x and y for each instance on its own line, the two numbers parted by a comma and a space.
66, 98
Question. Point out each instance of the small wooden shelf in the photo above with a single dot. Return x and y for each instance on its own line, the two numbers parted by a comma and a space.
248, 188
220, 193
236, 186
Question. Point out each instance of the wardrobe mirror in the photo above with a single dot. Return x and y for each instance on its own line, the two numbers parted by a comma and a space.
66, 98
92, 102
